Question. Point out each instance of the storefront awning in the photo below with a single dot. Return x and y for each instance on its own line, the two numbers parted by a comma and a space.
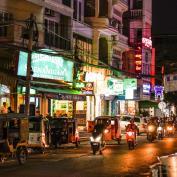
147, 104
58, 91
61, 94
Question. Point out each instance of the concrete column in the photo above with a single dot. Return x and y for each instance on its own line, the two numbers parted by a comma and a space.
95, 49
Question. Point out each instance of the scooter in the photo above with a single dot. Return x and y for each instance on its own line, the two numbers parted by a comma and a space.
151, 133
130, 137
96, 142
160, 132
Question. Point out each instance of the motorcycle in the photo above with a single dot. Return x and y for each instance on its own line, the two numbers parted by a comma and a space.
130, 137
151, 133
170, 130
96, 142
160, 132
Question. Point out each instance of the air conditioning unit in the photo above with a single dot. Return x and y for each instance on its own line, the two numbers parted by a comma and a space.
49, 12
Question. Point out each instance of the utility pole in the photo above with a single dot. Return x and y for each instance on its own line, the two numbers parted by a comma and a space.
31, 21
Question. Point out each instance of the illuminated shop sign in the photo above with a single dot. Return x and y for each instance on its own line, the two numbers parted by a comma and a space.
93, 76
146, 88
138, 61
87, 88
115, 86
159, 95
130, 83
46, 66
147, 42
129, 94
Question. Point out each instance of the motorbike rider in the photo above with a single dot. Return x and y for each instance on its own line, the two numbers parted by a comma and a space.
132, 126
154, 123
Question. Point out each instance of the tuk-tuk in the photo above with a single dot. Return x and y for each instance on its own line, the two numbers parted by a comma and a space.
112, 127
38, 133
63, 131
13, 137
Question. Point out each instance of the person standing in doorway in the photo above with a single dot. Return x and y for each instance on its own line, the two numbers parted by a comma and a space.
4, 109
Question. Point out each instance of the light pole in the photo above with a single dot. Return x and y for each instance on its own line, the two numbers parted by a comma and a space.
31, 21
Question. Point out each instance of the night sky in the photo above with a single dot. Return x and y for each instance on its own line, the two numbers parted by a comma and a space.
164, 17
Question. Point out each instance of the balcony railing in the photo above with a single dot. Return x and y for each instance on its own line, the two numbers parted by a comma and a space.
122, 1
56, 41
137, 13
123, 39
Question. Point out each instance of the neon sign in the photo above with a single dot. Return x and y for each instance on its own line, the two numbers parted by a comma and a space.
138, 61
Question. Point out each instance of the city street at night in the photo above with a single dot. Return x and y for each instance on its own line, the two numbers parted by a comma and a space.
88, 88
116, 161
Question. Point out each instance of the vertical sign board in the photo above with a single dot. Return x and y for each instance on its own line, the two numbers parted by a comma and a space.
138, 60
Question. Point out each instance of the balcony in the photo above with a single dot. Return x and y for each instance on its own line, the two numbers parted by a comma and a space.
136, 14
121, 3
82, 29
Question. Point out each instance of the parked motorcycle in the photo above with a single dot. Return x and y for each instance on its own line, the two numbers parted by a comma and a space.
151, 133
96, 142
130, 137
160, 132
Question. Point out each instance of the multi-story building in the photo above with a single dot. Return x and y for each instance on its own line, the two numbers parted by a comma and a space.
139, 60
51, 61
109, 43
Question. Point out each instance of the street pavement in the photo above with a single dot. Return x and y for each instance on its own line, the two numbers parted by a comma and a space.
116, 160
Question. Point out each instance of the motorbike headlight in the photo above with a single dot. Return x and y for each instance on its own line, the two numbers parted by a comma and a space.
169, 128
98, 138
151, 128
159, 128
91, 139
106, 131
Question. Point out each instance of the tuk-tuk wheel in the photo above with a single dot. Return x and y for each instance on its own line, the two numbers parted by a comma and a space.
100, 152
77, 143
2, 159
21, 156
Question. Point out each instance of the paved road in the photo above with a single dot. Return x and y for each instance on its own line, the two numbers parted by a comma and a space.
116, 161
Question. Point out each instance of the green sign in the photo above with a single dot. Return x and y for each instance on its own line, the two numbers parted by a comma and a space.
130, 83
46, 66
115, 86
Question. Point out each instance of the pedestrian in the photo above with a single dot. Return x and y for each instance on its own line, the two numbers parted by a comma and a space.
10, 110
4, 109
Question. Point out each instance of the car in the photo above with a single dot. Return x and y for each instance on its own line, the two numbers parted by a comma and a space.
140, 122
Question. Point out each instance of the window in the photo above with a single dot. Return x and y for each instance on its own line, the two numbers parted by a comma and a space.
103, 8
67, 2
168, 78
80, 11
5, 19
75, 9
89, 8
175, 77
57, 35
138, 4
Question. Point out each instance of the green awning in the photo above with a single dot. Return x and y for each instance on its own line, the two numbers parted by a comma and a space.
57, 90
147, 104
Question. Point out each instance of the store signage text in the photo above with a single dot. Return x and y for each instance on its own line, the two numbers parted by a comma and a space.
46, 66
146, 88
115, 86
138, 62
147, 42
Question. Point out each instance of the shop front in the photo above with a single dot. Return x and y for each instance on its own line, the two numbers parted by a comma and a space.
127, 103
53, 90
97, 105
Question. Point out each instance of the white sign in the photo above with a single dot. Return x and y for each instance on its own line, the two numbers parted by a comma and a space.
147, 42
162, 105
